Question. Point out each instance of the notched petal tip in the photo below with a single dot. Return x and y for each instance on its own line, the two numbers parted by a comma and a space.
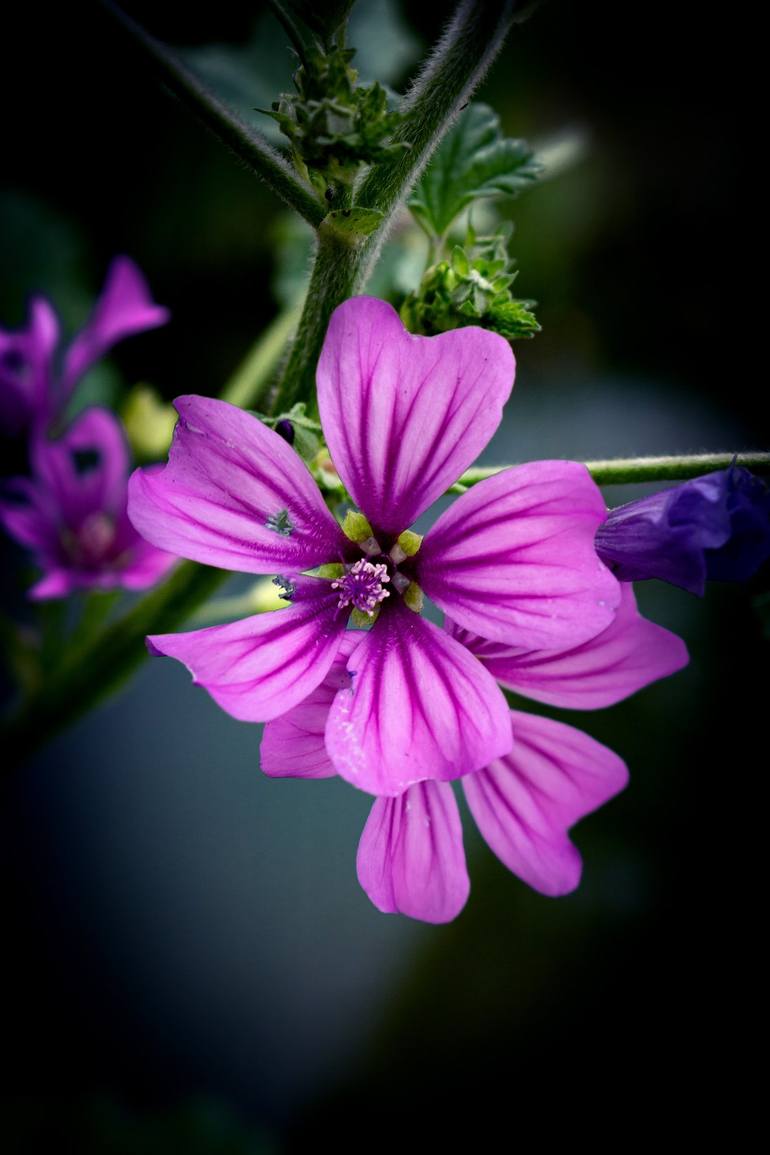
404, 415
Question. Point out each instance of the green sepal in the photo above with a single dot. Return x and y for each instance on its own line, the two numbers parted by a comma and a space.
413, 597
356, 527
409, 541
352, 225
332, 570
364, 621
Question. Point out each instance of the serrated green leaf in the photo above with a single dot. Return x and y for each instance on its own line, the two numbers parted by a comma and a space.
474, 161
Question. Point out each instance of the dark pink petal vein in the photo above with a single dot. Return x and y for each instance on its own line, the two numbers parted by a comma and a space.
234, 495
629, 654
525, 803
262, 666
514, 560
419, 705
405, 415
411, 858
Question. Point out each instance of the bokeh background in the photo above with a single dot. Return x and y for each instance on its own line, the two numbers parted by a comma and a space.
189, 963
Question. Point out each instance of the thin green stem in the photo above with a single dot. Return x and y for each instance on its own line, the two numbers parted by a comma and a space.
251, 379
458, 63
247, 144
335, 273
630, 470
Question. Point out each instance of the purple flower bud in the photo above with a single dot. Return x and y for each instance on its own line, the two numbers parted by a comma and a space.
285, 429
715, 527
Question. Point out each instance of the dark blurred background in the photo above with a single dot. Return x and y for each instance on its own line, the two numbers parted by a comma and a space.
189, 963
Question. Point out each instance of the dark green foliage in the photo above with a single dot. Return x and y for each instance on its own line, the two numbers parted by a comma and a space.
472, 287
473, 161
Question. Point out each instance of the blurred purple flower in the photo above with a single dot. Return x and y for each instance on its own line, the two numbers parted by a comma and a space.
411, 858
32, 393
715, 527
513, 559
72, 512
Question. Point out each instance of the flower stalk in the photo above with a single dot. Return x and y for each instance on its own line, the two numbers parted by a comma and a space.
345, 257
635, 470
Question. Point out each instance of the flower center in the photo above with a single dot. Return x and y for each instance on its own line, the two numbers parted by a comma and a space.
91, 545
361, 586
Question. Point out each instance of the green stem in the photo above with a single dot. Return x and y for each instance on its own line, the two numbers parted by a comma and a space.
336, 271
95, 669
343, 262
247, 144
630, 470
343, 258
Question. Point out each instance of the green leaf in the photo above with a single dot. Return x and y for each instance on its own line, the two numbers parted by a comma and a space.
474, 161
352, 225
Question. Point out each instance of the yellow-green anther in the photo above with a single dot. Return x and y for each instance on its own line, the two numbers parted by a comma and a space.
356, 527
413, 597
335, 569
407, 545
362, 620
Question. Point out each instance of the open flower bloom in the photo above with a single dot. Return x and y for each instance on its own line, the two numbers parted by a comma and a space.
512, 560
715, 527
32, 393
411, 858
72, 512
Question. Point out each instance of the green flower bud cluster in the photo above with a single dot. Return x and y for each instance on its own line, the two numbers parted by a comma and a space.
471, 287
334, 124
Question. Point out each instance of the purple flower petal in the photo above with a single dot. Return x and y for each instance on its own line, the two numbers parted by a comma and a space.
72, 512
411, 859
28, 515
125, 307
524, 804
714, 527
86, 467
419, 706
234, 495
629, 654
262, 666
26, 379
405, 415
514, 560
57, 583
294, 746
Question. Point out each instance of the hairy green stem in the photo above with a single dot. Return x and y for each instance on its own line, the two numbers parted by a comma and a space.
628, 470
247, 144
343, 261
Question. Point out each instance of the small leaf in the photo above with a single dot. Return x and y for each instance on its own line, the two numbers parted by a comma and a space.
460, 262
474, 160
352, 224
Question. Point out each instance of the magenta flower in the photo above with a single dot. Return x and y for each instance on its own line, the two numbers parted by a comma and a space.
513, 559
72, 512
32, 393
411, 858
